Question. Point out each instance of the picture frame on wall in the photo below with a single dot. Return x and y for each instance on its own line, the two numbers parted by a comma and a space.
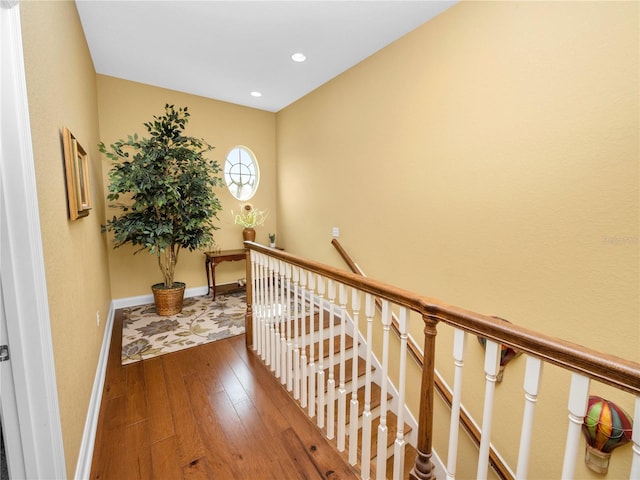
77, 175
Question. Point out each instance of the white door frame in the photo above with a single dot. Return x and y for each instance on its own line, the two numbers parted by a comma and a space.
22, 272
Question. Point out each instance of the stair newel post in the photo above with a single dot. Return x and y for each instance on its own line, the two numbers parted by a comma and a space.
304, 374
248, 323
331, 381
354, 404
423, 468
367, 417
320, 369
295, 279
311, 400
287, 312
381, 456
342, 392
400, 443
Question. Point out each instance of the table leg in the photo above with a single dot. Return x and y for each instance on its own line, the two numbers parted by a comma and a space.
213, 279
207, 261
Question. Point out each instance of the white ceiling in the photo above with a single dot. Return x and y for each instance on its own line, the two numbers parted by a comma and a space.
227, 49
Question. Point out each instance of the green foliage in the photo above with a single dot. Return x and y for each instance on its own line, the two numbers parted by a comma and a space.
164, 189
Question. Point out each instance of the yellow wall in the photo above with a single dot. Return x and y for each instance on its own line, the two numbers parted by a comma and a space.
62, 92
489, 159
124, 107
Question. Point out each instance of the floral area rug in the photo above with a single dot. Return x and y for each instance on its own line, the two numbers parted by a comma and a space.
202, 320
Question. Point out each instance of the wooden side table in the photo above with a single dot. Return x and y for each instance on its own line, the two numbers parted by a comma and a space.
213, 259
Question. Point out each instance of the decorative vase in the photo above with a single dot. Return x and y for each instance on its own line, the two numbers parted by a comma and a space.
168, 300
249, 234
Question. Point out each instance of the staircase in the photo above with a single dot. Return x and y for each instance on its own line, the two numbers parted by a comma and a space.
333, 343
309, 343
318, 329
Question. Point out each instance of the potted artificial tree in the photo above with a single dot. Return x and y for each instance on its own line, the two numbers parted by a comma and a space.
170, 203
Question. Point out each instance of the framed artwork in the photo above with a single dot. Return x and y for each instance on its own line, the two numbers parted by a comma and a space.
77, 172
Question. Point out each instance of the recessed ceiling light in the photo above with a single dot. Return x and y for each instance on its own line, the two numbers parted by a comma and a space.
256, 94
298, 57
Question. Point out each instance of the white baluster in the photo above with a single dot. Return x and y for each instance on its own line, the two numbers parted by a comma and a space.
321, 376
578, 400
365, 459
271, 357
381, 459
276, 317
491, 368
354, 404
296, 333
399, 445
285, 328
254, 303
532, 379
331, 381
263, 309
459, 342
287, 312
304, 386
311, 401
635, 438
342, 391
264, 323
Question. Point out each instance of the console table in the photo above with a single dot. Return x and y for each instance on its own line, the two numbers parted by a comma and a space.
213, 259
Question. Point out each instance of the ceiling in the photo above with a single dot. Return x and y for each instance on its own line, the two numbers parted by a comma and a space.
227, 49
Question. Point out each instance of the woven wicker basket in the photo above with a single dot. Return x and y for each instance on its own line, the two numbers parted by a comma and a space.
168, 300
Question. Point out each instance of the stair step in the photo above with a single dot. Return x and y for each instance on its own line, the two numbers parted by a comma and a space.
348, 370
392, 431
316, 321
410, 454
348, 341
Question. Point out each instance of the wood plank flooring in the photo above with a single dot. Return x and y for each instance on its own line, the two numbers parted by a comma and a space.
208, 412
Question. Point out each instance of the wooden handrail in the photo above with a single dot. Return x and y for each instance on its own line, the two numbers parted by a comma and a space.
443, 391
609, 369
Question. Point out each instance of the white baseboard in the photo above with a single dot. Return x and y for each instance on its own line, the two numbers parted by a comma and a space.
85, 457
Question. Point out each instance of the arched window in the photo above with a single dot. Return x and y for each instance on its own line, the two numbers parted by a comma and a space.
241, 173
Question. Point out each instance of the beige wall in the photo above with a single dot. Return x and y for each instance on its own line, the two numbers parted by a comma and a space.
124, 107
489, 159
61, 91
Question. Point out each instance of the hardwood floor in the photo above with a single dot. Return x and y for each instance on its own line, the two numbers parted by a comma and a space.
208, 412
